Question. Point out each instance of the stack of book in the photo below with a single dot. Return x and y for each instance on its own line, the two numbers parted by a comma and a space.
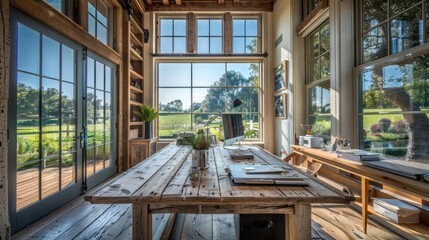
358, 155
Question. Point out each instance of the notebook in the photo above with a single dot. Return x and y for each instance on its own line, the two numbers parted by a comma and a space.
265, 175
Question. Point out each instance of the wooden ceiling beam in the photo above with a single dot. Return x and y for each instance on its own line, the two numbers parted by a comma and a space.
178, 2
236, 1
165, 2
220, 2
214, 6
149, 2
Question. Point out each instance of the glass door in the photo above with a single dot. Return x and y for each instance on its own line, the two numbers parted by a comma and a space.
44, 121
99, 121
61, 121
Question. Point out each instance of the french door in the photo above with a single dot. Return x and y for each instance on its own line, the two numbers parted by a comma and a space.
60, 120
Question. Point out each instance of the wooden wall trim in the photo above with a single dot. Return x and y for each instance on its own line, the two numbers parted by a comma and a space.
5, 230
51, 18
82, 13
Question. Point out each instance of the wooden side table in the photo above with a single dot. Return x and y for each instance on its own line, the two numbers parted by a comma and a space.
139, 149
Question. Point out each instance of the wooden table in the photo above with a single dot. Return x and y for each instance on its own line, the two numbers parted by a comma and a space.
160, 184
367, 173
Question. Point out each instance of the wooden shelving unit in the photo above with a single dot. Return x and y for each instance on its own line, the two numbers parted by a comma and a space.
135, 148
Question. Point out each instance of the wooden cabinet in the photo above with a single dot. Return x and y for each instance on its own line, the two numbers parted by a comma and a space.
140, 149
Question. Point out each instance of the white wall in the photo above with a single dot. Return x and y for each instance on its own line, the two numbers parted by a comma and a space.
286, 16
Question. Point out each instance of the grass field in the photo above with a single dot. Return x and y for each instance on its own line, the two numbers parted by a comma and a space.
370, 119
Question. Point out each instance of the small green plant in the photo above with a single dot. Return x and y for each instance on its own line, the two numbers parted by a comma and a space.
200, 141
146, 113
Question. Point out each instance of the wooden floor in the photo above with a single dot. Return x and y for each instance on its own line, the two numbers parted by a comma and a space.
81, 220
27, 191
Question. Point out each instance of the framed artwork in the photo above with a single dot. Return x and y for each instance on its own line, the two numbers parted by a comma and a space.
280, 76
280, 104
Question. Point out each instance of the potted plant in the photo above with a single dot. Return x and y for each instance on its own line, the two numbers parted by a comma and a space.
200, 150
147, 115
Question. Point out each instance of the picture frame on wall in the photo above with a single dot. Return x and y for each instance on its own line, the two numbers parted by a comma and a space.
280, 76
280, 104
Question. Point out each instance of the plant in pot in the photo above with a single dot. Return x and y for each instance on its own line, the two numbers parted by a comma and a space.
200, 150
147, 115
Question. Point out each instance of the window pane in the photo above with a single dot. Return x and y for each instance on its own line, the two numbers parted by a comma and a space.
68, 135
397, 6
324, 64
90, 158
68, 98
208, 99
166, 27
315, 44
238, 45
28, 95
91, 25
179, 45
68, 65
374, 44
90, 100
251, 45
200, 120
216, 45
248, 97
28, 49
238, 27
215, 27
90, 73
55, 3
101, 33
174, 74
50, 58
107, 130
99, 158
319, 99
91, 6
166, 45
28, 144
99, 103
324, 38
321, 126
102, 12
203, 45
171, 124
50, 175
406, 30
203, 27
374, 12
243, 74
179, 27
50, 137
50, 98
107, 105
208, 74
68, 170
386, 133
252, 28
99, 75
174, 100
108, 79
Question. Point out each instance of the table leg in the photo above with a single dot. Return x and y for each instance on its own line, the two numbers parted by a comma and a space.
365, 186
142, 222
298, 224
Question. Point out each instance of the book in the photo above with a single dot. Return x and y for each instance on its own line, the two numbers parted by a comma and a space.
358, 155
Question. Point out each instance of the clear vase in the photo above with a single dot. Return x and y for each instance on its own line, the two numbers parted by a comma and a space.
200, 158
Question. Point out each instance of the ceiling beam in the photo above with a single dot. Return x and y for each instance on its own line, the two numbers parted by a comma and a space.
178, 2
236, 1
165, 2
149, 2
213, 6
221, 2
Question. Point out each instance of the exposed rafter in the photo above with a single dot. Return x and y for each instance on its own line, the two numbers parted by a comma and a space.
210, 5
149, 2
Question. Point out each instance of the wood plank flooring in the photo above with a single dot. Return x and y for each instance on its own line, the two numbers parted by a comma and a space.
82, 220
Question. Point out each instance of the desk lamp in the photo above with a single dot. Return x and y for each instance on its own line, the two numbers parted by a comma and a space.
236, 103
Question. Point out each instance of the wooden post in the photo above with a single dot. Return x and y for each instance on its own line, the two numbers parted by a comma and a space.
228, 33
365, 186
191, 33
4, 95
298, 225
124, 91
82, 13
142, 222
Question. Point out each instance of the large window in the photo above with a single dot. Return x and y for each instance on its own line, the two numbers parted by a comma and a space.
209, 32
214, 34
64, 6
394, 108
245, 34
389, 27
191, 93
318, 81
99, 20
172, 35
